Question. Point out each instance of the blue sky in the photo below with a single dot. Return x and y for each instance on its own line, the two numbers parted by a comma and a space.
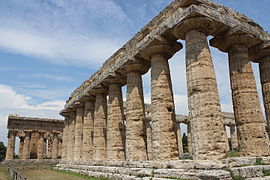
49, 47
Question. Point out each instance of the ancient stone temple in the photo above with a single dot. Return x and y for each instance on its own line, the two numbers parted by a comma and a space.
97, 129
39, 138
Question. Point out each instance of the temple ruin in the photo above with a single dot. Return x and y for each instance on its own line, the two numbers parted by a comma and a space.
97, 130
102, 138
40, 138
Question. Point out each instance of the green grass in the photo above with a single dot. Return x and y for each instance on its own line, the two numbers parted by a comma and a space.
258, 161
232, 154
266, 172
79, 175
233, 176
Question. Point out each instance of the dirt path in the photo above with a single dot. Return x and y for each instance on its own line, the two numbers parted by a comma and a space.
3, 172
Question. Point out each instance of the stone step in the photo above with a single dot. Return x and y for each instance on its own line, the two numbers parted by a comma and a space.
145, 173
251, 171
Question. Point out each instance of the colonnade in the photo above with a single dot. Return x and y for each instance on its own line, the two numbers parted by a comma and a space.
34, 145
97, 130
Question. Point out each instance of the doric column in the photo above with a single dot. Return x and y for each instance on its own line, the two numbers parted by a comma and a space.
164, 127
78, 132
100, 119
11, 145
247, 110
115, 120
149, 138
88, 128
179, 139
189, 137
33, 145
26, 145
21, 147
206, 120
55, 146
261, 54
60, 147
135, 115
234, 140
71, 138
65, 139
265, 82
40, 148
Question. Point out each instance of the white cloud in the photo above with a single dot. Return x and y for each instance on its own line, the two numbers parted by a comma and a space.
76, 50
48, 76
65, 32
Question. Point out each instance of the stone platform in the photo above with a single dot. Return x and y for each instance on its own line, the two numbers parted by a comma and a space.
248, 168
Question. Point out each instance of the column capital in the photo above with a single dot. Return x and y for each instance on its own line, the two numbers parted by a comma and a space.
234, 37
88, 97
202, 24
137, 65
161, 46
99, 89
115, 78
260, 51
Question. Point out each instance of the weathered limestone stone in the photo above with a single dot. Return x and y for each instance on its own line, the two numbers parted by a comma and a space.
88, 129
135, 116
78, 133
164, 135
33, 145
149, 139
100, 118
179, 139
55, 146
21, 147
208, 137
59, 148
65, 140
265, 82
189, 137
115, 121
11, 145
40, 148
234, 140
248, 114
26, 146
68, 159
71, 136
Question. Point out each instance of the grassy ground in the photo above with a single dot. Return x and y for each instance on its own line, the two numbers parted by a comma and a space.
3, 172
45, 173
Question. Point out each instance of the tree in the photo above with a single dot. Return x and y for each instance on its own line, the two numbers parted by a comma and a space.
3, 150
185, 142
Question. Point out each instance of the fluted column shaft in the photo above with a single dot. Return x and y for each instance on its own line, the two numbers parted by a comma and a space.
100, 119
78, 133
40, 146
11, 145
189, 138
164, 137
248, 114
65, 140
179, 139
135, 119
55, 146
234, 140
265, 82
21, 147
115, 141
149, 139
88, 130
208, 136
71, 135
26, 146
